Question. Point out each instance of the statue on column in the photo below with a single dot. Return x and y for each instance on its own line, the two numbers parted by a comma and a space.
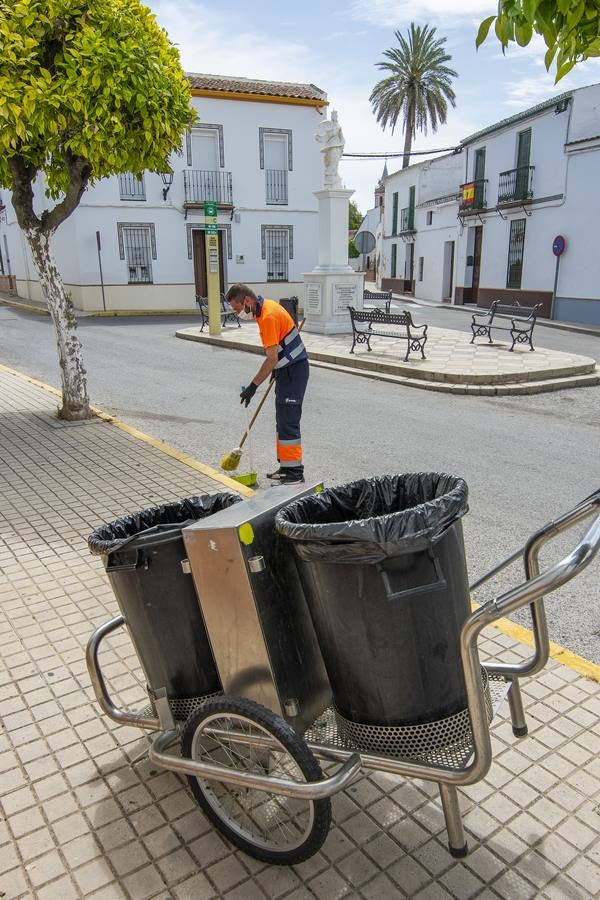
331, 137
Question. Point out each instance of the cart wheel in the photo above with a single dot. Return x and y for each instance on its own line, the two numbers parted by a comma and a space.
270, 827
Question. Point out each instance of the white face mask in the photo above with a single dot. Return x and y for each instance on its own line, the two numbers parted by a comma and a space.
246, 315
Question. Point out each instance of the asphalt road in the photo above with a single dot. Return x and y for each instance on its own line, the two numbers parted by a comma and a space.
526, 459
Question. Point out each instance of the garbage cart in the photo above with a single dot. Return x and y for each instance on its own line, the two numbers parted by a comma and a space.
382, 562
145, 560
254, 765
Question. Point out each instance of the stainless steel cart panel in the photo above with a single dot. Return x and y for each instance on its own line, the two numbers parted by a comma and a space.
253, 604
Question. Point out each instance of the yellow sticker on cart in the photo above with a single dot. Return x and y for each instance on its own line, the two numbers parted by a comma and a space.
246, 533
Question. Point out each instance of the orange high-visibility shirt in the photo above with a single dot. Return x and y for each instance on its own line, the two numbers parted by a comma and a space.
273, 323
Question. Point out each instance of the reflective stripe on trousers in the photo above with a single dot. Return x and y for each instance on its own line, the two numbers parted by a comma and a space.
290, 385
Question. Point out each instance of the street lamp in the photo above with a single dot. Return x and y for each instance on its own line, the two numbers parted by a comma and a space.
167, 178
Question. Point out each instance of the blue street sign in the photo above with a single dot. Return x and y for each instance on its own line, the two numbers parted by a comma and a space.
559, 245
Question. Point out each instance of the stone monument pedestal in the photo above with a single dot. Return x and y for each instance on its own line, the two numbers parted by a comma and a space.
333, 285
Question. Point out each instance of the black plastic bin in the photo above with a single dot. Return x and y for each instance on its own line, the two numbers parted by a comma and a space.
143, 555
290, 304
382, 563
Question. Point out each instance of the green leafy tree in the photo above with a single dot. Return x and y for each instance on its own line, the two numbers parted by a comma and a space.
355, 217
418, 86
570, 29
88, 89
352, 251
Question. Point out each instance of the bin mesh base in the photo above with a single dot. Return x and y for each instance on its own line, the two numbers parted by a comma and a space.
443, 742
183, 707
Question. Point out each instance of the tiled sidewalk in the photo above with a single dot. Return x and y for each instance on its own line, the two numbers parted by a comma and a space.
86, 815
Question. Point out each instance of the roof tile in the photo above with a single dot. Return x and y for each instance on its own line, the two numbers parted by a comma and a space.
254, 86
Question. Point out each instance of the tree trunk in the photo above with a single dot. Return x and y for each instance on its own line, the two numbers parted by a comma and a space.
76, 404
408, 135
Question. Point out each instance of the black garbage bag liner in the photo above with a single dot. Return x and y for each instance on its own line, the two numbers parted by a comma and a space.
111, 536
374, 518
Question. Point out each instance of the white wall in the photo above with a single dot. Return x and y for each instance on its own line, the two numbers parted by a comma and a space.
565, 151
101, 209
429, 244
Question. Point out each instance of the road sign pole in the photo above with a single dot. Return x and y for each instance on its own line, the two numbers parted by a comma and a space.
213, 286
555, 286
559, 245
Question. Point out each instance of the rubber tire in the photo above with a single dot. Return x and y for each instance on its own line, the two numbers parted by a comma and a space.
297, 749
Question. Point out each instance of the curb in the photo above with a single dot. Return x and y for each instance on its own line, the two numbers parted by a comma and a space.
97, 314
567, 658
16, 304
393, 374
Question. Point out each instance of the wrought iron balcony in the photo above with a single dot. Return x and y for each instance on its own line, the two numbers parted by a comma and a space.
473, 196
276, 182
201, 185
515, 185
130, 187
407, 219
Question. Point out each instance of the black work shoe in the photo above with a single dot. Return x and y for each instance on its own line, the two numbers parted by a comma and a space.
275, 475
286, 477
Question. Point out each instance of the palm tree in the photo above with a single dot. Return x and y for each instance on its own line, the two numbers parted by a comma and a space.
418, 85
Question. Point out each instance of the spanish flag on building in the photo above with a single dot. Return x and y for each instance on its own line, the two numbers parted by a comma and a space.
468, 195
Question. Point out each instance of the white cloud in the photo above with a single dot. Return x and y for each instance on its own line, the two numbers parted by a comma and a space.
212, 41
527, 91
400, 13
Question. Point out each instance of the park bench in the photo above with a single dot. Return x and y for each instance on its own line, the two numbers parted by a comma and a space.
522, 320
227, 314
369, 322
386, 296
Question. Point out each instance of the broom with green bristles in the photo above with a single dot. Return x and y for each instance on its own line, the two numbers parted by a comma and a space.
231, 461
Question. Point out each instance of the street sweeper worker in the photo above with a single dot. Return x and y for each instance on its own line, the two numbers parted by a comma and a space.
286, 361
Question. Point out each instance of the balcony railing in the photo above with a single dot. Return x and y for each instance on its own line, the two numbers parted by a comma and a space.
515, 185
130, 187
276, 182
407, 219
201, 185
473, 195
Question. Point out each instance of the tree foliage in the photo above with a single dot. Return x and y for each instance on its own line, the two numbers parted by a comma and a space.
94, 81
418, 86
88, 89
570, 29
355, 217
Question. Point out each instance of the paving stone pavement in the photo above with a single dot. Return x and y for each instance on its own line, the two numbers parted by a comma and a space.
452, 363
84, 813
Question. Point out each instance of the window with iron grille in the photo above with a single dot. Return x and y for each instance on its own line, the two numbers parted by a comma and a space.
130, 187
421, 265
137, 246
430, 217
516, 246
277, 250
394, 260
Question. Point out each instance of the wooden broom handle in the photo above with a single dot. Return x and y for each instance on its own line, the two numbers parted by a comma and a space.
263, 398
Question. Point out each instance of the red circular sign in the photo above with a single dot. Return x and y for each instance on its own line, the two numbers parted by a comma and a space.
559, 245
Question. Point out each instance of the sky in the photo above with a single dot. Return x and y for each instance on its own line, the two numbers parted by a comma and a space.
336, 45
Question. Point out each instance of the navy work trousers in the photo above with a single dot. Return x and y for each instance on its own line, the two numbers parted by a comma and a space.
290, 385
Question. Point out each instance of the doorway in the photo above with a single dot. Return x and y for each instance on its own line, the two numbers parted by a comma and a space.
448, 274
199, 255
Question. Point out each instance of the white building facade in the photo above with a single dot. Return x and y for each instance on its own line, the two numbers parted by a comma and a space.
480, 225
140, 244
418, 248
